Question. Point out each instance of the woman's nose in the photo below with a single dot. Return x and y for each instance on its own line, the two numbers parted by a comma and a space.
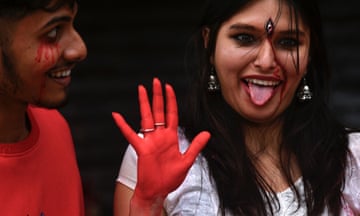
266, 57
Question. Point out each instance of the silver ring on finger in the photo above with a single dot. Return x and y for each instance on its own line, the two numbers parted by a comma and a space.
147, 130
159, 124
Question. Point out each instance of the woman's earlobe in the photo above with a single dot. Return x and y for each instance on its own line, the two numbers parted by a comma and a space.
205, 35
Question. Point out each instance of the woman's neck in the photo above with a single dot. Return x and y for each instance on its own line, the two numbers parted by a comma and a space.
264, 147
263, 137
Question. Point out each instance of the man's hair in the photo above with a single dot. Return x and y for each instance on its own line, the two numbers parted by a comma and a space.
17, 9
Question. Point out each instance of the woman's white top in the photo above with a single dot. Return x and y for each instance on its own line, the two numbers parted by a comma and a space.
197, 194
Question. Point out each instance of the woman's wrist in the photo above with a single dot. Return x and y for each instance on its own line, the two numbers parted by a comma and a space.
146, 207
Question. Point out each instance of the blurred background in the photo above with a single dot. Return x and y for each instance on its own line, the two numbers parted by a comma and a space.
130, 44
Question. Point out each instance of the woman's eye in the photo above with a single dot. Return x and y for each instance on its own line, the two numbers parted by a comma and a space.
288, 43
245, 39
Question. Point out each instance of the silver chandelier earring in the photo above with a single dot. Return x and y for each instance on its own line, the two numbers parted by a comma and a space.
213, 84
304, 93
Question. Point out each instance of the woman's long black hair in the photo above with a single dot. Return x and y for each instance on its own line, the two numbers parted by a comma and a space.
316, 139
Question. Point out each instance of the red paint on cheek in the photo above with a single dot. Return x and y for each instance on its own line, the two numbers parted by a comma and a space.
47, 55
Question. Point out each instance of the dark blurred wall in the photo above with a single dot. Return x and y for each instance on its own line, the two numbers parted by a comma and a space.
130, 44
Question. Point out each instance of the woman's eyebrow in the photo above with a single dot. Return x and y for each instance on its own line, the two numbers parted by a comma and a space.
292, 33
241, 26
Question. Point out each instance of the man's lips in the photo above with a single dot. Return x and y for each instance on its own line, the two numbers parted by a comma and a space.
62, 77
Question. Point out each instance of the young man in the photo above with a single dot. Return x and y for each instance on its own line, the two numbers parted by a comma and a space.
39, 48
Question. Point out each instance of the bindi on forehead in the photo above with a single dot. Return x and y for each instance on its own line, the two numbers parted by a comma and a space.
269, 27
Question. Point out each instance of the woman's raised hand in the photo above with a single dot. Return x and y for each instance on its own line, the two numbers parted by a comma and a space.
161, 166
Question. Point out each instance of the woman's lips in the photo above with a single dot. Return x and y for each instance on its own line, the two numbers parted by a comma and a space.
261, 90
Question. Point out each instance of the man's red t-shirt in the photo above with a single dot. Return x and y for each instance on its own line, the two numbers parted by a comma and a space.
39, 176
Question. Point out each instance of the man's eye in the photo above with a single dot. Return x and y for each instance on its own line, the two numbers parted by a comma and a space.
52, 35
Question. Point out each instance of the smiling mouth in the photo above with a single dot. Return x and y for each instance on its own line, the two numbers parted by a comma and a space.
261, 91
263, 83
60, 74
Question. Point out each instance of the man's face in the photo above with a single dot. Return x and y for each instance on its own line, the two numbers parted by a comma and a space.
37, 57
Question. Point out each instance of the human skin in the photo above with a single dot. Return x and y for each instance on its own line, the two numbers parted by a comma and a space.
36, 59
169, 165
245, 51
44, 48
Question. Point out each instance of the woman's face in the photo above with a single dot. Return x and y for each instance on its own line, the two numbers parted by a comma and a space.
256, 56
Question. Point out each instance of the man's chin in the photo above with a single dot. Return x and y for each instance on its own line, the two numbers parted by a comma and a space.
52, 104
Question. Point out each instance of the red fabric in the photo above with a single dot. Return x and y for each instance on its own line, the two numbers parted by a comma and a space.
40, 176
161, 166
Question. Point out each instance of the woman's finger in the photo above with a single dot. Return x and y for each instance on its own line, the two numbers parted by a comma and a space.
196, 146
127, 131
171, 108
147, 122
158, 105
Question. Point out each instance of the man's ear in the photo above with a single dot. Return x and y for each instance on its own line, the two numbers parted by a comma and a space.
206, 36
1, 62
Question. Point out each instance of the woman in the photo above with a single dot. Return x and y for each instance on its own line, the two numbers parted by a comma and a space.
260, 89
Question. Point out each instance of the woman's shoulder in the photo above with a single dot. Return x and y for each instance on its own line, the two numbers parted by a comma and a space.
354, 144
354, 148
354, 136
351, 190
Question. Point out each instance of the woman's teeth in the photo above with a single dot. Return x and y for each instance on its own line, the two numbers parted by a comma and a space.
267, 83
